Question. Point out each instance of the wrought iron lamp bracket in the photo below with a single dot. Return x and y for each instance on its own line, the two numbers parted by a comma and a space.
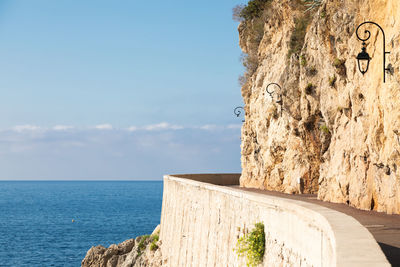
368, 35
271, 93
237, 111
279, 101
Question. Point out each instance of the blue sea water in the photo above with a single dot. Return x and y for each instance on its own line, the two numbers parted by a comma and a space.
36, 218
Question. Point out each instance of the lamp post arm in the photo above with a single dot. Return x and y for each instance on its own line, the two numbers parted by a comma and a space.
270, 93
237, 111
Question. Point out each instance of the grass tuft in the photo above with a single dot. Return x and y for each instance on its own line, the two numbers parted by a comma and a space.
332, 80
309, 89
154, 240
324, 129
142, 244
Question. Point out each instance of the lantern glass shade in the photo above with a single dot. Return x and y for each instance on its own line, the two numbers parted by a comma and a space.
363, 59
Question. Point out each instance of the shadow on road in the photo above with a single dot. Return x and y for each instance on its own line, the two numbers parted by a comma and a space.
391, 253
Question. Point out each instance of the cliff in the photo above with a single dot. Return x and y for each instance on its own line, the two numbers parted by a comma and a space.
329, 130
326, 129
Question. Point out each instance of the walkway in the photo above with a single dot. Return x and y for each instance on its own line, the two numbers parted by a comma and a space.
385, 228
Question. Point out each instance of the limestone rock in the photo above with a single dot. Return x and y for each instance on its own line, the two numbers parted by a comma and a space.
337, 132
130, 253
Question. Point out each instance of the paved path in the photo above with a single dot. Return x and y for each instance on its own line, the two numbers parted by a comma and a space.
385, 228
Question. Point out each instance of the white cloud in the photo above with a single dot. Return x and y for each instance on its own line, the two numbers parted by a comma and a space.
208, 127
62, 127
26, 127
105, 126
234, 126
162, 126
85, 153
133, 128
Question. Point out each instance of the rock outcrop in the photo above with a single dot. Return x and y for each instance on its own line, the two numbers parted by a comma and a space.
140, 252
329, 130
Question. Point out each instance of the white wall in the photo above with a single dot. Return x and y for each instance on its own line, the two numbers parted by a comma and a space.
201, 222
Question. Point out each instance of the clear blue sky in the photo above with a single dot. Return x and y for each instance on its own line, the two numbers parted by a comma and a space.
84, 84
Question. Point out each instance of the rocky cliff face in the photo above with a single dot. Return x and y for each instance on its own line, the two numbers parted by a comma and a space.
329, 130
140, 252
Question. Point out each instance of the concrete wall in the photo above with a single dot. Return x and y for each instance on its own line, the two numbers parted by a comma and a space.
201, 222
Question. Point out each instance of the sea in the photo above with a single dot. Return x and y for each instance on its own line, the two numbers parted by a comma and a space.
54, 223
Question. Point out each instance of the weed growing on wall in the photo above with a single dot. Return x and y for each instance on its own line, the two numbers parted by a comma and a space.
324, 129
337, 63
252, 245
309, 89
332, 80
303, 60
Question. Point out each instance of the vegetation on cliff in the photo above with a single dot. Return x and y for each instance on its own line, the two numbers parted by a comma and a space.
253, 18
298, 34
253, 9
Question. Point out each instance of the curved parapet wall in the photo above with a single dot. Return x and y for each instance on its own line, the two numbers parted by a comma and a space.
202, 218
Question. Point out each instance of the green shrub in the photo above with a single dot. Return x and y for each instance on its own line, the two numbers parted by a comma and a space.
154, 240
153, 246
142, 244
324, 129
332, 80
337, 63
252, 245
312, 71
303, 60
309, 89
299, 32
257, 32
253, 9
323, 14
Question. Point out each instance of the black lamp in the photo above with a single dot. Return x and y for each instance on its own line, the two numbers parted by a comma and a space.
363, 59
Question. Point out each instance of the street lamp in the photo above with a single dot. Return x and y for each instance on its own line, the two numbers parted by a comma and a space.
363, 57
279, 101
270, 93
237, 111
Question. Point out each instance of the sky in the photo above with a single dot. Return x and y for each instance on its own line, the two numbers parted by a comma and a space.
121, 89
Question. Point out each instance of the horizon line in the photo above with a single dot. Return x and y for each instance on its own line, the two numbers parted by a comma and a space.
79, 180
